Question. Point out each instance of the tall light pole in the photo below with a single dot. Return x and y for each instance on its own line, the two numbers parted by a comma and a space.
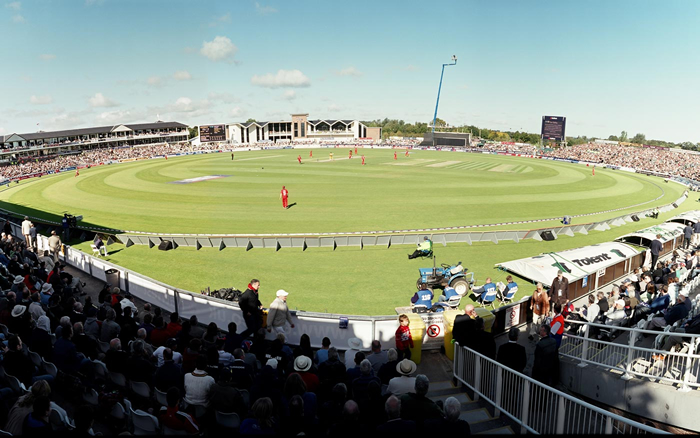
454, 62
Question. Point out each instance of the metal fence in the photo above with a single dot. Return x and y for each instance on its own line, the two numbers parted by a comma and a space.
536, 407
680, 368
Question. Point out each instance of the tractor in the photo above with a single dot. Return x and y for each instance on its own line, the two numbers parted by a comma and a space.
453, 275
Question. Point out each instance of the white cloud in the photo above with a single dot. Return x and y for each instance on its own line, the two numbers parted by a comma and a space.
18, 19
226, 18
64, 121
155, 81
264, 10
182, 75
41, 100
15, 6
236, 112
119, 116
350, 71
219, 49
99, 100
333, 108
47, 57
283, 78
289, 95
411, 67
223, 97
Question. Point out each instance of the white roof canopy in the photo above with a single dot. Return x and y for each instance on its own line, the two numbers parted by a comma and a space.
575, 263
667, 230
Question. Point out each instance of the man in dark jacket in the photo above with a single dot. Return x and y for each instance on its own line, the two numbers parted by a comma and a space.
464, 326
483, 341
252, 308
677, 312
687, 235
512, 354
656, 248
546, 366
169, 374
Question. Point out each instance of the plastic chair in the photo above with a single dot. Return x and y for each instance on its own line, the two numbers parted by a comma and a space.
144, 423
246, 397
229, 421
95, 250
141, 389
454, 301
161, 397
507, 298
118, 379
50, 369
36, 359
14, 384
103, 346
100, 369
488, 299
91, 397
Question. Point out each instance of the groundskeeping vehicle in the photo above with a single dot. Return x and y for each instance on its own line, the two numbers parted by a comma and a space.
452, 275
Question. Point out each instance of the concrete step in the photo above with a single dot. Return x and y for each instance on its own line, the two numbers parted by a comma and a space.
475, 415
505, 430
462, 397
442, 385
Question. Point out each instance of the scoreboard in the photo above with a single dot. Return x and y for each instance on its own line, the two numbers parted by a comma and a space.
212, 133
553, 128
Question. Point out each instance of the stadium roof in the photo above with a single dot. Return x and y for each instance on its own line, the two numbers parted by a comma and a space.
96, 130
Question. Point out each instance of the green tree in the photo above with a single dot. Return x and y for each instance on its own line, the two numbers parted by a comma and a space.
623, 136
613, 138
639, 138
194, 131
251, 121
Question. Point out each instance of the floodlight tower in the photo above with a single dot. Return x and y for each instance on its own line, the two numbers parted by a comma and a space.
454, 62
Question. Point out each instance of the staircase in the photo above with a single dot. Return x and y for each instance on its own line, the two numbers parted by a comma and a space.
476, 413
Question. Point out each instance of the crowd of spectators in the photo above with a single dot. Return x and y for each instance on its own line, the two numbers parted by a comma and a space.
202, 374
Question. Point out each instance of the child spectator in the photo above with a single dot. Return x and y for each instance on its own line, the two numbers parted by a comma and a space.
404, 341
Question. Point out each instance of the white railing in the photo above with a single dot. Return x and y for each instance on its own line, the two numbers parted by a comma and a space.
536, 407
677, 368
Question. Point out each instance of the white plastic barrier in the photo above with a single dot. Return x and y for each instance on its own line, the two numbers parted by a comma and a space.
208, 309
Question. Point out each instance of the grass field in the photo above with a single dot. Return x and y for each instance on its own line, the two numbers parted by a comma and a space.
429, 189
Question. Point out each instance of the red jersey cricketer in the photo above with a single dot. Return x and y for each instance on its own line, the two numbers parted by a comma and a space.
284, 195
394, 155
76, 173
363, 160
355, 150
299, 159
311, 154
406, 155
350, 154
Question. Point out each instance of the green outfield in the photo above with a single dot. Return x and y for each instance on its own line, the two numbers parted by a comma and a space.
425, 190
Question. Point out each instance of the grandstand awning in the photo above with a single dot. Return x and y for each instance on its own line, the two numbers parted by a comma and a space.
686, 218
667, 230
575, 263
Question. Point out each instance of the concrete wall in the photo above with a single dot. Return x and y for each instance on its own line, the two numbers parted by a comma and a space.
657, 401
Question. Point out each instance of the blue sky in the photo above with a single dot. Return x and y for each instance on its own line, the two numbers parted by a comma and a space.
606, 65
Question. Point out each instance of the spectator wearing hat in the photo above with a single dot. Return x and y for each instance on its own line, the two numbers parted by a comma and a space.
279, 315
404, 383
17, 284
355, 345
423, 248
20, 323
46, 292
302, 366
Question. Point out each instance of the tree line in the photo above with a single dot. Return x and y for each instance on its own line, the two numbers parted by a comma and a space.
399, 128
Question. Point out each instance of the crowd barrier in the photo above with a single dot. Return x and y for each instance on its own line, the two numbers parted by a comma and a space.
221, 312
378, 238
536, 407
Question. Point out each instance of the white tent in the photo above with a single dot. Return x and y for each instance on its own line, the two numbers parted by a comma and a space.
686, 218
575, 263
667, 230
